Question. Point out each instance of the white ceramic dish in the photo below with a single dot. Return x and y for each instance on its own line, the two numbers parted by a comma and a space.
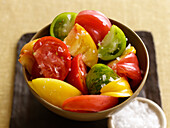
153, 106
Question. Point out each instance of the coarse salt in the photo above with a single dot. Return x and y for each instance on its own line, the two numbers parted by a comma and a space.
136, 115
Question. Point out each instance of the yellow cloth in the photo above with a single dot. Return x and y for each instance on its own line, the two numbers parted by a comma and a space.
21, 16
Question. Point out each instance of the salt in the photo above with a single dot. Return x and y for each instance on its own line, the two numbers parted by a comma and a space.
136, 115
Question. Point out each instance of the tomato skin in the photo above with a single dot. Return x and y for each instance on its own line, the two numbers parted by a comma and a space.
89, 103
95, 23
129, 67
77, 75
53, 57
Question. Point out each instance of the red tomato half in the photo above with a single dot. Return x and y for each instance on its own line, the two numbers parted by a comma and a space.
129, 67
53, 57
89, 103
77, 75
95, 23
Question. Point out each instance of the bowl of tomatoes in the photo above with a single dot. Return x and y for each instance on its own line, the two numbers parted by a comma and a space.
84, 66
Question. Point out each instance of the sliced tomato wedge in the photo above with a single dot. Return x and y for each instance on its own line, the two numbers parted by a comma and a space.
128, 66
77, 75
53, 57
89, 103
95, 23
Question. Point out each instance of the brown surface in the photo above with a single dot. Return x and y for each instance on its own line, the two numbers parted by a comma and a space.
22, 16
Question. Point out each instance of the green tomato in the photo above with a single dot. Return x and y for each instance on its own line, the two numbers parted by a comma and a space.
98, 76
113, 44
62, 24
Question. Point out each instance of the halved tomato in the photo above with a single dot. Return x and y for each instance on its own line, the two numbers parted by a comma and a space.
89, 103
80, 42
95, 23
77, 75
53, 57
53, 90
26, 57
128, 66
27, 60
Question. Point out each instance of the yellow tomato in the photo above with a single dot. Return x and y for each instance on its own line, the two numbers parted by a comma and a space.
53, 90
119, 87
27, 60
26, 57
80, 42
129, 49
28, 47
117, 94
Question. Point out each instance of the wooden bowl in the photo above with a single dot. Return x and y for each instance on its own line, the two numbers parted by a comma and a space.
143, 58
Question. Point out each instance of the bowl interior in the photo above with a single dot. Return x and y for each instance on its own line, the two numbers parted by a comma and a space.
143, 58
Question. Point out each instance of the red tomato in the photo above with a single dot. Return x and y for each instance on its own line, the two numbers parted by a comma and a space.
95, 23
53, 57
89, 103
36, 71
129, 67
77, 75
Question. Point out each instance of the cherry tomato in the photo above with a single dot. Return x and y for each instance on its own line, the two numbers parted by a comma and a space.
89, 103
53, 57
95, 23
77, 75
128, 67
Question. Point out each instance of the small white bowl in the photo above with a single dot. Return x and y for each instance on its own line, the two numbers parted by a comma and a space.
153, 106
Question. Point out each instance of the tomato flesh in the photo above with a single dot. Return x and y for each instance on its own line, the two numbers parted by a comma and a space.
95, 23
89, 103
53, 57
77, 75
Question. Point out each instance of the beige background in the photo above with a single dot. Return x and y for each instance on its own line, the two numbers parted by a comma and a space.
21, 16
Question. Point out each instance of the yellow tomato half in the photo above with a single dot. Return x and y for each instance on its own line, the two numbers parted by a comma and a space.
80, 42
53, 90
119, 88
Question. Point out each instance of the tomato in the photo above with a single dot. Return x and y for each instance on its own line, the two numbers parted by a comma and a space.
128, 67
117, 88
89, 103
98, 76
53, 90
62, 24
36, 71
95, 23
113, 44
80, 42
27, 60
77, 75
53, 57
28, 47
26, 57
